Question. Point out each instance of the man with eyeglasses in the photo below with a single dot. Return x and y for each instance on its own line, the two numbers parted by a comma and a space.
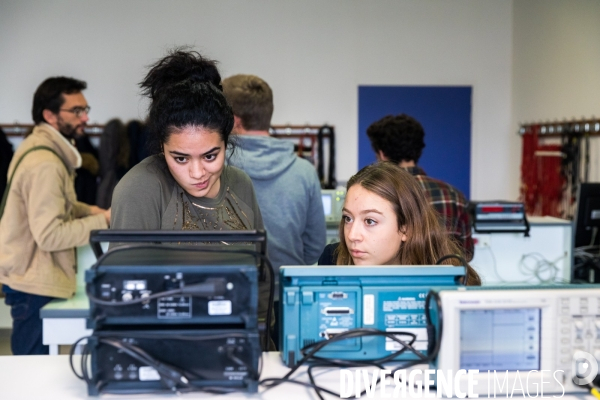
41, 220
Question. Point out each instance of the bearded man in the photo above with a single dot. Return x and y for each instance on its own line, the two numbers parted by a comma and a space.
41, 220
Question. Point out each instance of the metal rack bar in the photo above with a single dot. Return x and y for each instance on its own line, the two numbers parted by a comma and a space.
590, 127
22, 130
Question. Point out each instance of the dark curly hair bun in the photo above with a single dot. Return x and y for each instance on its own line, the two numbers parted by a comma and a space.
178, 66
185, 90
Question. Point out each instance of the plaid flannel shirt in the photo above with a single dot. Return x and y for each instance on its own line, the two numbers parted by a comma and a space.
452, 206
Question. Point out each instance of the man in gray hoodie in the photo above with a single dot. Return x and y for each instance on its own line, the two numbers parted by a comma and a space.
287, 186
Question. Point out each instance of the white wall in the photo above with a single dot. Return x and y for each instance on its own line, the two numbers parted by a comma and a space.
313, 53
556, 71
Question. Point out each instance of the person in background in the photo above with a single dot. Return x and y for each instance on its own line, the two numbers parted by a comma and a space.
388, 221
400, 139
42, 221
287, 186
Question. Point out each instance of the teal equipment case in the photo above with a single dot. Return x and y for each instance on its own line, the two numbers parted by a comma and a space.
317, 303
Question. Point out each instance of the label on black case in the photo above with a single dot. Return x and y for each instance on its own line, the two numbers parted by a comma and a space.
174, 307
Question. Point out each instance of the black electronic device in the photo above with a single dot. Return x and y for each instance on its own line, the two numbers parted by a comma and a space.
176, 278
173, 285
587, 221
499, 216
175, 311
152, 361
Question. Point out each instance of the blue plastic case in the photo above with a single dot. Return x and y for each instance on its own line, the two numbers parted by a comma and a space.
318, 303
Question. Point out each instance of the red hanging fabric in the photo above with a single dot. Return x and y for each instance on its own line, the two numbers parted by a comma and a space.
542, 181
529, 187
551, 182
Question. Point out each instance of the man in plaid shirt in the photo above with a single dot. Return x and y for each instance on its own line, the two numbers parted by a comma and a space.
399, 139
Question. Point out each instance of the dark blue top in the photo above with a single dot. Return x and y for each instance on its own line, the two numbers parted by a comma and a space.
327, 257
6, 289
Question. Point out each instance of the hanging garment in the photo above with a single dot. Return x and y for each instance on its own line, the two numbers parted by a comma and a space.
542, 178
114, 160
138, 136
86, 183
6, 153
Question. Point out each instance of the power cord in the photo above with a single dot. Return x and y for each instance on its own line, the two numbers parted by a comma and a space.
541, 267
586, 259
173, 378
545, 271
495, 264
309, 352
206, 289
459, 258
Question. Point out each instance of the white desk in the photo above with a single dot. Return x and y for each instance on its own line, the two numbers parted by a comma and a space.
510, 258
50, 378
63, 321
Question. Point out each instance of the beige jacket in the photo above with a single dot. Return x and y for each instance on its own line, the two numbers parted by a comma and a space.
43, 221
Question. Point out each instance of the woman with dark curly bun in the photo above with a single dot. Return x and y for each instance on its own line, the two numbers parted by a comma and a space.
185, 184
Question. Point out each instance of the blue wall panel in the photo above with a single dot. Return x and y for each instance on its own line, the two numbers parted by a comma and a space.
444, 112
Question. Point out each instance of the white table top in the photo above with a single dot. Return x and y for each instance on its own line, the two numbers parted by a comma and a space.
50, 377
76, 307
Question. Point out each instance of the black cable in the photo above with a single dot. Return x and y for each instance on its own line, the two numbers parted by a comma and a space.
586, 165
461, 259
361, 332
350, 334
332, 182
433, 350
174, 379
206, 289
312, 379
168, 376
195, 338
329, 365
263, 257
320, 155
72, 352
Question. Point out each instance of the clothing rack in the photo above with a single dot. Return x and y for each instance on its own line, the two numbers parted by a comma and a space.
590, 127
296, 131
288, 131
22, 130
280, 131
560, 154
315, 143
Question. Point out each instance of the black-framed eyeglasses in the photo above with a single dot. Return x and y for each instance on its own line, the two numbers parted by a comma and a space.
78, 111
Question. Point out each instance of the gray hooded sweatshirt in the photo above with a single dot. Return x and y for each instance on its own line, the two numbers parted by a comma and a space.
289, 196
